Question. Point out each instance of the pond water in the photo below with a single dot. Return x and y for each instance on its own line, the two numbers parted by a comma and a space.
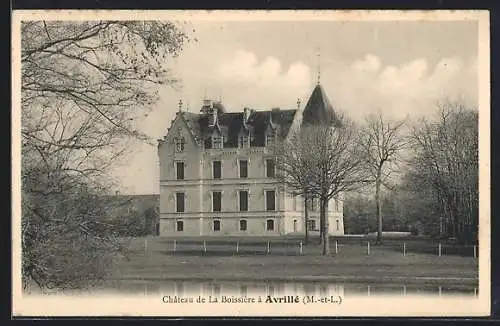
253, 288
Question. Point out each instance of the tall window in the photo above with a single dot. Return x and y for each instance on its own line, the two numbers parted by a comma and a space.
270, 225
270, 200
217, 169
337, 224
243, 225
311, 225
179, 170
179, 201
243, 200
336, 204
179, 144
244, 141
180, 226
243, 169
269, 140
270, 168
217, 142
217, 225
216, 201
311, 204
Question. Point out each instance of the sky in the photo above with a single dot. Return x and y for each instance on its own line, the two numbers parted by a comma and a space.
399, 68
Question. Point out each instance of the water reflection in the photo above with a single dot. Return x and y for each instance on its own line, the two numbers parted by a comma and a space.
248, 289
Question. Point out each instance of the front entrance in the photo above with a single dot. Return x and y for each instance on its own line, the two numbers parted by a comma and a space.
295, 227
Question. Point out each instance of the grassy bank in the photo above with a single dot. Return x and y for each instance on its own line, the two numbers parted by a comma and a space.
155, 259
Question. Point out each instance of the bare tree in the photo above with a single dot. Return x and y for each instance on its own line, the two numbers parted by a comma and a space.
446, 159
84, 87
382, 140
326, 159
293, 170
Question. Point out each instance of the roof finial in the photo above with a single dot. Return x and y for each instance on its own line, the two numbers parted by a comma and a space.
180, 105
318, 54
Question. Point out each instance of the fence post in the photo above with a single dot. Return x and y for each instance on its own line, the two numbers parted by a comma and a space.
368, 290
475, 251
301, 247
237, 246
440, 290
204, 246
175, 245
146, 246
368, 248
439, 249
404, 289
404, 248
336, 247
268, 246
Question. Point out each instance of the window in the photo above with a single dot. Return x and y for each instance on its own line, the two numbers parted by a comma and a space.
217, 169
269, 140
243, 200
180, 226
311, 204
216, 201
243, 169
337, 224
244, 141
295, 199
179, 170
243, 225
270, 225
336, 204
179, 196
179, 144
270, 200
270, 168
311, 225
216, 225
217, 142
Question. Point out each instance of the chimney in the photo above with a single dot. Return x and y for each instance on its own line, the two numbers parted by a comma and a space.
246, 114
207, 102
213, 118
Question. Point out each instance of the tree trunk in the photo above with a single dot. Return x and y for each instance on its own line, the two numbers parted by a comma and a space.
379, 211
324, 230
321, 226
306, 219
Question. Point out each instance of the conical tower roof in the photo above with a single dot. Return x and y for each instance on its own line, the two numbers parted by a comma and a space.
318, 109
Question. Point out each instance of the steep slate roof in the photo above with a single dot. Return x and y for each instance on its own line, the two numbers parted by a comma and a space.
231, 123
318, 109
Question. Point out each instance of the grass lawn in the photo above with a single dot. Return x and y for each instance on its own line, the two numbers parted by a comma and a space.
285, 262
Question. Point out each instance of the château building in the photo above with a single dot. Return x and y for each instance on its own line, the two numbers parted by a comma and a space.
218, 173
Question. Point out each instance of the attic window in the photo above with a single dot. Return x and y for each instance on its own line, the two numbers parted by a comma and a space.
217, 142
269, 140
244, 141
179, 144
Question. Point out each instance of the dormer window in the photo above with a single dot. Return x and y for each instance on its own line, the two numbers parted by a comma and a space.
217, 142
269, 140
179, 144
244, 141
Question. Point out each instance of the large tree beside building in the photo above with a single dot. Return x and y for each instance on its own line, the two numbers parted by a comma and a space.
84, 86
382, 141
322, 156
